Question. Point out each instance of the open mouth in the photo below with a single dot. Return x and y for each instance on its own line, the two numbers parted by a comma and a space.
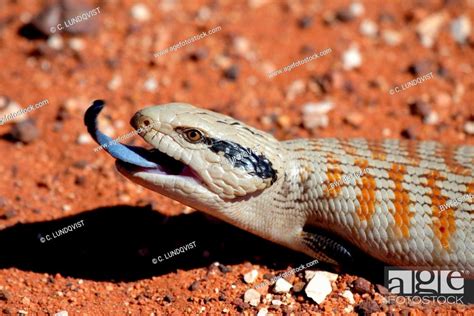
165, 164
132, 158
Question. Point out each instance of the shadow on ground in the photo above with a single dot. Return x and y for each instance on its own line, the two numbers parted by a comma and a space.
118, 244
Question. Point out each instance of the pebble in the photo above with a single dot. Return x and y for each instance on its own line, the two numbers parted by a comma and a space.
309, 274
204, 13
409, 133
83, 138
305, 22
56, 42
252, 297
115, 82
356, 9
77, 44
361, 286
368, 307
382, 289
420, 108
354, 118
351, 58
342, 15
368, 28
282, 286
469, 127
150, 84
296, 88
7, 106
140, 12
428, 28
25, 131
276, 302
319, 287
262, 312
284, 121
224, 269
232, 73
421, 67
431, 119
4, 295
194, 286
314, 114
199, 54
460, 29
298, 287
251, 276
349, 296
61, 313
392, 37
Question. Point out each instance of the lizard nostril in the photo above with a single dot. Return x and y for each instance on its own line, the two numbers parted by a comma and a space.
145, 122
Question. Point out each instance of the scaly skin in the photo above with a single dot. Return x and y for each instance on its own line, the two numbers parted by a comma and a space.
393, 204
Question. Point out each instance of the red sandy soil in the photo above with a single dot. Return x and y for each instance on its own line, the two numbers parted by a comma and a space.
104, 267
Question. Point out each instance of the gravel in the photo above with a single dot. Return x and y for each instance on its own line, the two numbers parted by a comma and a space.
361, 286
252, 297
140, 12
314, 114
319, 287
469, 128
428, 28
351, 58
282, 286
25, 131
460, 29
368, 28
251, 276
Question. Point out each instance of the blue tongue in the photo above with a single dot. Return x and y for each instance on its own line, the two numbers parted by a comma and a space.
131, 154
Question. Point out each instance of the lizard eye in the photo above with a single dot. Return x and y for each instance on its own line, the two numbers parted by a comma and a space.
193, 135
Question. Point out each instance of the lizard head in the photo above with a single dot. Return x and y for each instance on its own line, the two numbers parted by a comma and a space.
199, 157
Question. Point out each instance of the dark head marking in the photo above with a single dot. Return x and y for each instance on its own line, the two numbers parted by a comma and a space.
240, 157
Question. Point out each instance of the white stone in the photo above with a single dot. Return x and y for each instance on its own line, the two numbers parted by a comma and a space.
55, 42
309, 274
251, 276
277, 302
431, 119
460, 29
392, 37
314, 114
83, 138
282, 286
319, 287
356, 9
349, 296
115, 82
428, 28
77, 44
140, 12
61, 313
469, 128
252, 297
150, 85
351, 58
368, 28
262, 312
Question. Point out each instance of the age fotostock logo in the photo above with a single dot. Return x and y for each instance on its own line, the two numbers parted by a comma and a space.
442, 286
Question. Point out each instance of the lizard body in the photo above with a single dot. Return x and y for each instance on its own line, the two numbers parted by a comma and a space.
404, 203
